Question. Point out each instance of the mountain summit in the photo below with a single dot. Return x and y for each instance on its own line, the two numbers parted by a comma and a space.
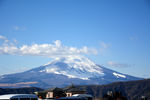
74, 67
62, 72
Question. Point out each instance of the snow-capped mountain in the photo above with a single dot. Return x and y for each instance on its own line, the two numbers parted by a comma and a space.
74, 67
64, 71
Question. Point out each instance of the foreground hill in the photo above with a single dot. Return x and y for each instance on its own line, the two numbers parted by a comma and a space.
29, 90
133, 90
60, 72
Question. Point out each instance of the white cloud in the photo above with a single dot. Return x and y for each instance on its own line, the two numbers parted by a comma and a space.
55, 49
133, 38
57, 43
116, 64
104, 47
16, 28
19, 28
3, 38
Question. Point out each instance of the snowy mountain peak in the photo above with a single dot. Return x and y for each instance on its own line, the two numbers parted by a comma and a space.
62, 71
74, 67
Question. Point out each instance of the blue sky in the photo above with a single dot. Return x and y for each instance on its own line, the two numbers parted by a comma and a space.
113, 33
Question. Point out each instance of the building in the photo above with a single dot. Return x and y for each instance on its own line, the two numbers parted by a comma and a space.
71, 90
58, 92
51, 93
55, 93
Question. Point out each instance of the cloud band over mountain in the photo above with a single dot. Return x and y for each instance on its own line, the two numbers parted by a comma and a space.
55, 49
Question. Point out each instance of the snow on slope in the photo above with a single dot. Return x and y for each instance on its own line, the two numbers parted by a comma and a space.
74, 67
119, 75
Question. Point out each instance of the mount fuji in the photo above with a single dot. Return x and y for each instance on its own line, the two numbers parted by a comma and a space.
63, 71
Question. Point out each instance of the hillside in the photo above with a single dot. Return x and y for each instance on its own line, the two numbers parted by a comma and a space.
133, 90
29, 90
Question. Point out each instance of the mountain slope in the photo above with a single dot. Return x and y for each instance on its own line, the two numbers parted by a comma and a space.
62, 72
